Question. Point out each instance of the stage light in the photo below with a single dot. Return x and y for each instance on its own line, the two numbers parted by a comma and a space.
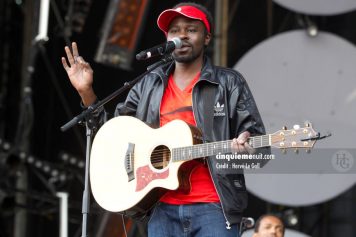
121, 30
54, 173
62, 177
30, 159
22, 156
298, 73
38, 164
73, 160
6, 146
312, 30
81, 164
46, 168
290, 218
318, 7
64, 156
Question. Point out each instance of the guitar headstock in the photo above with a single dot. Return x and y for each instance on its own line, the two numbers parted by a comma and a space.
298, 137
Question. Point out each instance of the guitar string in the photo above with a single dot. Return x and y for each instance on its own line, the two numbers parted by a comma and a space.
158, 153
261, 139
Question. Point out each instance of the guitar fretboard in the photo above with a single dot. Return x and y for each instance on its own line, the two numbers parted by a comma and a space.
214, 148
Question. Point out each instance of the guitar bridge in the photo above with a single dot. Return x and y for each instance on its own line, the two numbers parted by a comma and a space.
129, 161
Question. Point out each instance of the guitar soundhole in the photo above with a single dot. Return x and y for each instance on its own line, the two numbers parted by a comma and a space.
160, 157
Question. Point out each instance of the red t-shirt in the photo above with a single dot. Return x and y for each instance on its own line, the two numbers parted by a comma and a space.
177, 104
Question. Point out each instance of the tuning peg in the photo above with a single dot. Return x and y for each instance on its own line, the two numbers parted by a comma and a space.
307, 124
308, 151
296, 126
284, 151
284, 127
296, 151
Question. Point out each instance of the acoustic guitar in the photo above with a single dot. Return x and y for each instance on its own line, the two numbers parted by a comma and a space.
132, 165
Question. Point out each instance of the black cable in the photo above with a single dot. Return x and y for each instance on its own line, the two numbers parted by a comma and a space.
123, 224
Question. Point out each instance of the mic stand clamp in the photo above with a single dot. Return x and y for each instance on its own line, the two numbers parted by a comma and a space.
89, 133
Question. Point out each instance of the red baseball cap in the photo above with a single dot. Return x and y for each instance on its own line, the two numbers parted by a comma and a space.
166, 17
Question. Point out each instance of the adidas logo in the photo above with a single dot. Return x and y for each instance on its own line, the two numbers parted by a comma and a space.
219, 110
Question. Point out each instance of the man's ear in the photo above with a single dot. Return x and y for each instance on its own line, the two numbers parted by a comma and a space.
207, 39
255, 234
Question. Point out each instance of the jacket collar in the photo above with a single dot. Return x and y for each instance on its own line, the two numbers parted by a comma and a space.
207, 72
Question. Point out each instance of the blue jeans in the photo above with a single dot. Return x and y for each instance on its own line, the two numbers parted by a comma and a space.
196, 220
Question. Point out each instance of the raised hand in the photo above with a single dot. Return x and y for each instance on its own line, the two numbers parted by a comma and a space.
80, 74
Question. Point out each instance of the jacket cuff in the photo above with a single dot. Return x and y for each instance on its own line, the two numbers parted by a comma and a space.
84, 107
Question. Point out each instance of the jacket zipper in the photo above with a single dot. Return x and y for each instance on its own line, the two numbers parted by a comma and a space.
222, 205
160, 102
221, 202
210, 172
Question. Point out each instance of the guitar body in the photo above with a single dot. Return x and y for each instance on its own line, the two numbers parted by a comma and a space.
131, 165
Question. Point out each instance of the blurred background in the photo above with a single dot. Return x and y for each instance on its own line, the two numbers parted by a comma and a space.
298, 57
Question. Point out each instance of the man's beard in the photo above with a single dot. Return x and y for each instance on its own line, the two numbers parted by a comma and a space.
186, 58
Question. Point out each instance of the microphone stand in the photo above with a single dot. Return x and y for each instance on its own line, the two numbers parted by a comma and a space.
246, 223
89, 133
127, 85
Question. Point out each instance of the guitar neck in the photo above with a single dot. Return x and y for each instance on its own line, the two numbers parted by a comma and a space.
215, 148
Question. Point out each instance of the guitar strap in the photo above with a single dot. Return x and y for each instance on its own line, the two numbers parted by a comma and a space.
208, 112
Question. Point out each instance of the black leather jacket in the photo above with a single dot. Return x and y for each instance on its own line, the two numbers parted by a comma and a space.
235, 111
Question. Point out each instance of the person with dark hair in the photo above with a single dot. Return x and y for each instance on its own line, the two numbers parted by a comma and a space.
269, 225
217, 100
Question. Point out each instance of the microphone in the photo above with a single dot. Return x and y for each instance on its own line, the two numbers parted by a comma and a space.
165, 48
248, 222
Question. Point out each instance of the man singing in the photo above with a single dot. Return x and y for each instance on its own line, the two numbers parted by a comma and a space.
178, 90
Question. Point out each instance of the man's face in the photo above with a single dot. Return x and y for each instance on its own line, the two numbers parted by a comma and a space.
192, 34
270, 226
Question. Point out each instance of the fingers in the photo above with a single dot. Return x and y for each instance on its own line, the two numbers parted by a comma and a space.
238, 147
249, 148
88, 67
243, 137
72, 57
75, 60
242, 148
69, 55
83, 63
75, 50
79, 59
64, 63
241, 145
